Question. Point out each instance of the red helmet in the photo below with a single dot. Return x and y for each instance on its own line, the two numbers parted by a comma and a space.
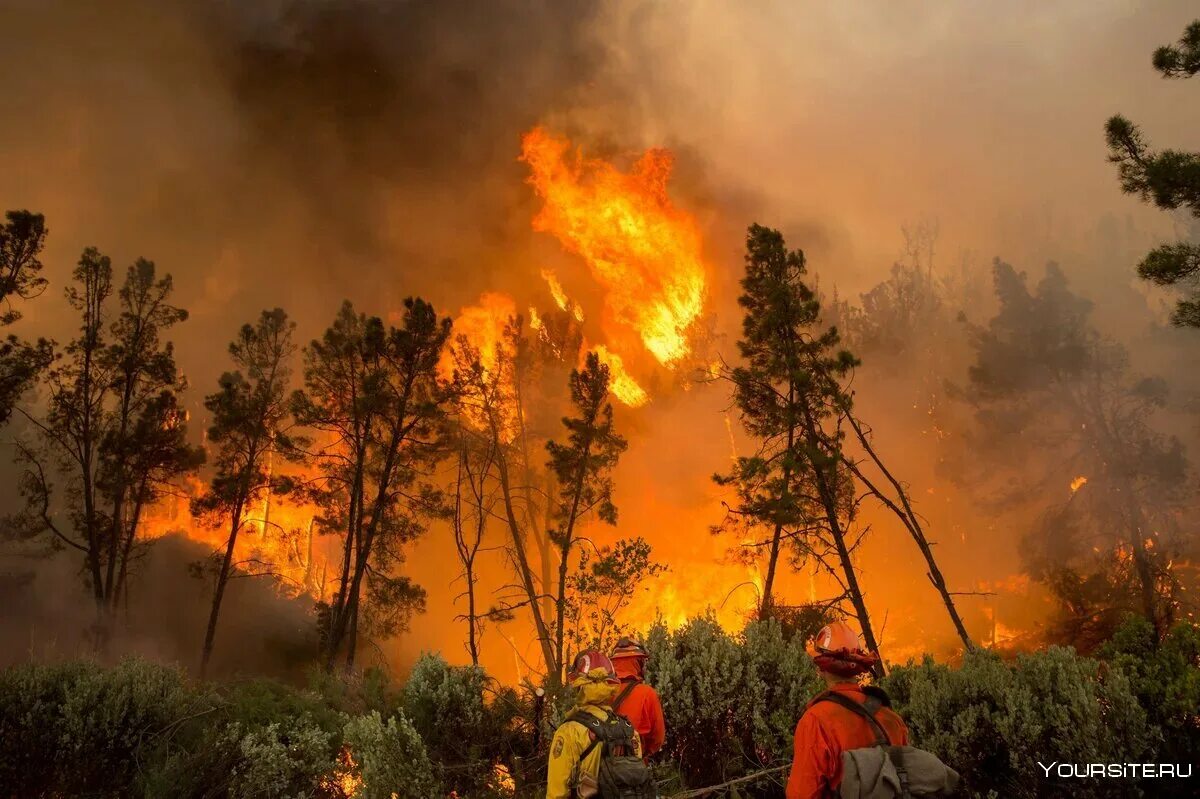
838, 650
629, 648
586, 663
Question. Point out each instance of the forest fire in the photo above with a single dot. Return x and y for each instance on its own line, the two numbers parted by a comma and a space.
382, 382
346, 780
643, 251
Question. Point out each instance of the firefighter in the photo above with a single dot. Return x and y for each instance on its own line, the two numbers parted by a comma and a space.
827, 728
574, 767
635, 700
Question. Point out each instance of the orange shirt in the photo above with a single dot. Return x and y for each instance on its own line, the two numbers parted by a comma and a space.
644, 711
823, 733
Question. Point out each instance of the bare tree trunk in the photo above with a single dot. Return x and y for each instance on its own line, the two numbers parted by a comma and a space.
828, 497
553, 667
767, 603
909, 518
210, 634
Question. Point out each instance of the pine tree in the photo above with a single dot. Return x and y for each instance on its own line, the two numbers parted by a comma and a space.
22, 238
582, 466
1170, 179
114, 430
795, 489
249, 425
371, 395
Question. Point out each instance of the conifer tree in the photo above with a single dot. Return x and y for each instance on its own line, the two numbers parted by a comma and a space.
794, 490
1170, 179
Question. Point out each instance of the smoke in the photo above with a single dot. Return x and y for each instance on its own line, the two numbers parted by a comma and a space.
297, 152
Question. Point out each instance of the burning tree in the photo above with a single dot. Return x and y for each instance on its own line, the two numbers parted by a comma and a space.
113, 431
249, 427
507, 386
1058, 410
372, 396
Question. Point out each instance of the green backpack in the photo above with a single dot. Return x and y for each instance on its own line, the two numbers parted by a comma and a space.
622, 774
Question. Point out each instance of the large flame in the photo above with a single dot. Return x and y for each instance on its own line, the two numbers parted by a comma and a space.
620, 382
644, 252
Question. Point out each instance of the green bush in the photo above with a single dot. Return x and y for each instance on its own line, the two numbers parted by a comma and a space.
78, 728
994, 721
1165, 678
731, 702
466, 735
391, 757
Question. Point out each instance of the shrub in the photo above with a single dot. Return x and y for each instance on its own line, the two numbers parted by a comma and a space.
78, 728
466, 736
391, 756
1165, 678
731, 702
993, 722
285, 758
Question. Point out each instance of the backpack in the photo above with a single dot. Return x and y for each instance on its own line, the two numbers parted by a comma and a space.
884, 771
622, 774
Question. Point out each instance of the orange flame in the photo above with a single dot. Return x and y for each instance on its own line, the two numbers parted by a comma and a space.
561, 299
483, 326
1078, 483
644, 252
346, 780
621, 383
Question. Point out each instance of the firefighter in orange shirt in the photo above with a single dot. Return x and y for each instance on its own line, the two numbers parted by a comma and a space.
635, 700
826, 729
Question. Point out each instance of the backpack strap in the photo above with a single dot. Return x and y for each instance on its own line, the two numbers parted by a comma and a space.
865, 710
594, 726
896, 755
623, 695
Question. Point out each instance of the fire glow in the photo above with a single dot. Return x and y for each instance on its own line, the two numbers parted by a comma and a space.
643, 251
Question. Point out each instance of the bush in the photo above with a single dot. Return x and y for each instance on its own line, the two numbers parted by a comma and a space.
77, 728
731, 702
465, 735
285, 758
993, 721
1165, 678
391, 756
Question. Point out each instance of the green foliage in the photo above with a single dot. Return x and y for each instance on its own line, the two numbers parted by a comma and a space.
285, 758
994, 721
464, 734
731, 702
1165, 678
391, 757
78, 728
1170, 179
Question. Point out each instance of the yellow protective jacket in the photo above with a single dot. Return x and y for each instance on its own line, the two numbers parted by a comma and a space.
567, 778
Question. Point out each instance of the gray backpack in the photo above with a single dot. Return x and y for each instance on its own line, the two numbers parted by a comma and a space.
622, 774
884, 771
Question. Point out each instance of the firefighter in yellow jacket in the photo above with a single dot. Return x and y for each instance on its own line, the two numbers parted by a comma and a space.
574, 758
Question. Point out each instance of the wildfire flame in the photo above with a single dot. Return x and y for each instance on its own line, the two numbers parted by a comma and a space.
643, 251
1078, 483
346, 780
561, 299
621, 383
